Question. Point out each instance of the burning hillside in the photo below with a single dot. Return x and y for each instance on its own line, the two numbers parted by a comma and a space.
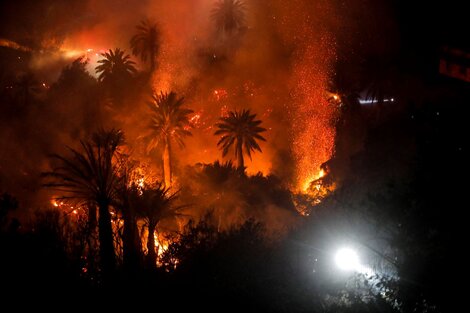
243, 82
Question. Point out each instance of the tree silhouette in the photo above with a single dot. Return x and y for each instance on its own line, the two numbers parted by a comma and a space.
91, 176
115, 66
82, 92
7, 204
146, 43
241, 129
228, 16
156, 204
170, 121
126, 203
26, 86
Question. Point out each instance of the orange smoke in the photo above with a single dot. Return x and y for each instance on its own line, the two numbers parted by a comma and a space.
255, 76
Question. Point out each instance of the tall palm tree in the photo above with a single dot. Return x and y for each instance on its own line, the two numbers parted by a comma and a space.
241, 129
91, 176
170, 121
125, 202
157, 204
115, 66
146, 43
228, 16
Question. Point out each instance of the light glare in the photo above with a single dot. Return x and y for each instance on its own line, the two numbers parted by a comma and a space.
347, 259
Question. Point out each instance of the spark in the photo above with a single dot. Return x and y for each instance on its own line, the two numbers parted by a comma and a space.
195, 120
311, 113
220, 94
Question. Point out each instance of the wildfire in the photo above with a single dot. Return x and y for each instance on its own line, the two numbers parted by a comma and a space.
161, 244
141, 182
220, 94
141, 177
313, 131
90, 54
195, 120
224, 111
56, 204
307, 183
66, 207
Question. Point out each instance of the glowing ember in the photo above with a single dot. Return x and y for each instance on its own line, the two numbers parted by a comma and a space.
224, 111
55, 203
220, 94
195, 120
313, 131
141, 182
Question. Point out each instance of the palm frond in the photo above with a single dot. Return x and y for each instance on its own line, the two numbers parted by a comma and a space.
239, 128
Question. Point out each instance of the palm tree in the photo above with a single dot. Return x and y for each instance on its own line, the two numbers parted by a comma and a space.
115, 66
91, 176
156, 205
228, 16
241, 129
146, 43
126, 201
169, 122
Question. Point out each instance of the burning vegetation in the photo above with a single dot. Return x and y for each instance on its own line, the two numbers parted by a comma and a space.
249, 155
172, 85
185, 118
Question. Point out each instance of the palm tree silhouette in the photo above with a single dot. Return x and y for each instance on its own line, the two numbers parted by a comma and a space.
169, 122
146, 43
228, 16
241, 129
125, 203
156, 204
91, 176
115, 66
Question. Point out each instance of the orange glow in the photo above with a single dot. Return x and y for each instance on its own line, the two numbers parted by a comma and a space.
142, 176
292, 101
141, 182
311, 113
161, 244
56, 203
220, 94
307, 183
13, 45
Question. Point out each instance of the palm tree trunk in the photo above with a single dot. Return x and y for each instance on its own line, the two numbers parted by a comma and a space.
151, 255
130, 240
153, 62
91, 217
105, 234
241, 161
167, 163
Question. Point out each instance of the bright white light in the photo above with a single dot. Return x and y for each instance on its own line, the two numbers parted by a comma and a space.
372, 101
347, 259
